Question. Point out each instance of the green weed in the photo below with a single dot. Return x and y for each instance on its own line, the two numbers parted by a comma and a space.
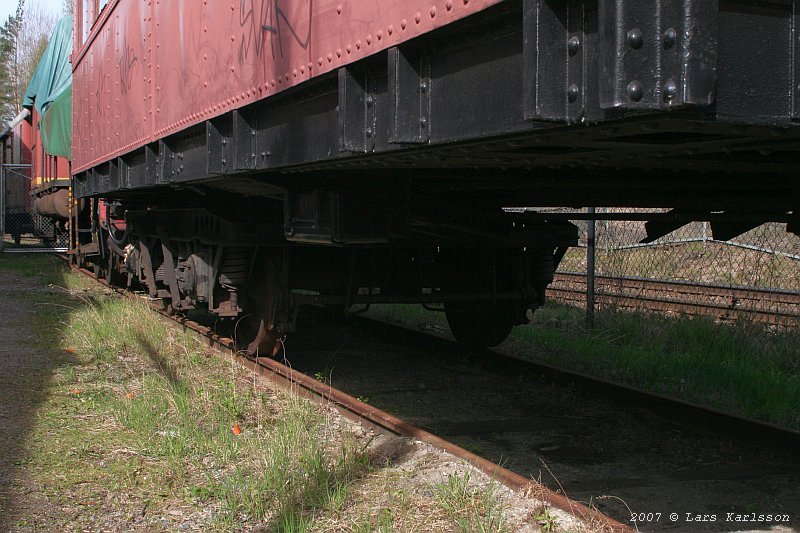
547, 521
743, 368
473, 510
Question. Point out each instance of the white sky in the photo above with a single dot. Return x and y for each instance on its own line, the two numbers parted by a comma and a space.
8, 7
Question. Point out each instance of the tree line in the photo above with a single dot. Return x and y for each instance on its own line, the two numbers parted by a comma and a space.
23, 39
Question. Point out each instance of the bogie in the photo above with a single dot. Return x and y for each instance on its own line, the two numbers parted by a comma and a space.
258, 290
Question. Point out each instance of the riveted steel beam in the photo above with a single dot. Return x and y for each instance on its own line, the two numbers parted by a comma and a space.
657, 54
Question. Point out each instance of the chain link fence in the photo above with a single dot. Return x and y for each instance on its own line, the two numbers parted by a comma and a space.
754, 276
20, 227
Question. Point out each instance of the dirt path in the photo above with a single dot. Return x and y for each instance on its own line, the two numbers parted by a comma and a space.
26, 366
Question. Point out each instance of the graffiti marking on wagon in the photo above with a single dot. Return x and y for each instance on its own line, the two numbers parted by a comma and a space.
126, 63
267, 23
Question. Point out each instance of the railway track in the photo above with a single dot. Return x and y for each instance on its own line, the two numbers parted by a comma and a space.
560, 430
768, 306
380, 420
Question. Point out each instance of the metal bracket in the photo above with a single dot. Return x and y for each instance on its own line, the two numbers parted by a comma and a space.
217, 142
548, 49
151, 164
409, 97
123, 172
166, 163
244, 142
356, 110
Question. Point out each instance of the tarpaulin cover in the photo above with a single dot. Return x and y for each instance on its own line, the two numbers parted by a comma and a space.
50, 91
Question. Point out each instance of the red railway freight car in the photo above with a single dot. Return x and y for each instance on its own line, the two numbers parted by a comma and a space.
256, 156
17, 140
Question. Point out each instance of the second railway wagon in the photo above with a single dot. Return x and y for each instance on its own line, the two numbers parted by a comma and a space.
251, 157
36, 146
48, 100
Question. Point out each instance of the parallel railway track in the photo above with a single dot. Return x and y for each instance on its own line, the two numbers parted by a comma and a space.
768, 306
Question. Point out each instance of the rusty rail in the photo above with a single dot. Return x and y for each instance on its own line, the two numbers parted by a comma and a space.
768, 306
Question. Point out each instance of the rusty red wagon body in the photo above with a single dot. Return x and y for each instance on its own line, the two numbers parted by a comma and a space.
149, 68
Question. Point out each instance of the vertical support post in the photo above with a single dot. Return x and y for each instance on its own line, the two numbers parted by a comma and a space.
2, 204
72, 247
590, 267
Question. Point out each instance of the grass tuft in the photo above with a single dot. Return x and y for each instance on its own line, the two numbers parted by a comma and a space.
473, 510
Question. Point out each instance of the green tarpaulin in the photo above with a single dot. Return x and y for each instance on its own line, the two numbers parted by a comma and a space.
50, 91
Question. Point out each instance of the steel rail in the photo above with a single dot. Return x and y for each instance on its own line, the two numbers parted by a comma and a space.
726, 303
355, 410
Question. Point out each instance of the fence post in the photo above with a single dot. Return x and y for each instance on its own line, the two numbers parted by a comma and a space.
590, 267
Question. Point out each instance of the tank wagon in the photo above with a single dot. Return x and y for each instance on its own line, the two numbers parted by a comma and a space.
251, 157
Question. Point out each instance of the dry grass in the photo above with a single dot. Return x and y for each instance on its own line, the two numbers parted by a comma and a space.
702, 262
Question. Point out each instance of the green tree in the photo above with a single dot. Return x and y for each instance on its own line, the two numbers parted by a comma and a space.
10, 68
37, 26
23, 40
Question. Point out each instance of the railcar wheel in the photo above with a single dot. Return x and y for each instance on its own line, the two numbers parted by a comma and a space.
97, 268
481, 326
264, 341
260, 331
